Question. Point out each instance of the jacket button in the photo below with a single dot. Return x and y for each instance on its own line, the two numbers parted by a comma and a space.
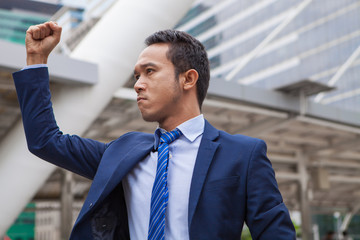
90, 205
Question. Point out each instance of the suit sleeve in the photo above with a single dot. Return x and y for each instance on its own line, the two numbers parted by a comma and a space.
43, 136
267, 216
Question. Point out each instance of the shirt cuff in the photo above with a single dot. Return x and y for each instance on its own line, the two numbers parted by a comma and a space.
34, 66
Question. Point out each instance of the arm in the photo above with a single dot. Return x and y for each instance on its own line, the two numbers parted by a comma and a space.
267, 215
43, 136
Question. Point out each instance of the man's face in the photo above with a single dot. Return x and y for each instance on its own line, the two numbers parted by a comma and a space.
158, 90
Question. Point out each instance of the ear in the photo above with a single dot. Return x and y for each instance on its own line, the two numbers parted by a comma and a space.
190, 78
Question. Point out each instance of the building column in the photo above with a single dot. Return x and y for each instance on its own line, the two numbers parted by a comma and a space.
302, 160
66, 209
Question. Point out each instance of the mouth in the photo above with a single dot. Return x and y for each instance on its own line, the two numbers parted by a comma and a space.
139, 99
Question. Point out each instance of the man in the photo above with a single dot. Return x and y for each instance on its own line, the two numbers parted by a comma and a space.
202, 185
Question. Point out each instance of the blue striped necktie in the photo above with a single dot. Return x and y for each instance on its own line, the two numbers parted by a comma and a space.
160, 192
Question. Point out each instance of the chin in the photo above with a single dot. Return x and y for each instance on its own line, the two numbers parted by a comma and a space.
149, 117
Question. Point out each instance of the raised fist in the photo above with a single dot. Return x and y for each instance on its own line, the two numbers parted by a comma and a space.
40, 41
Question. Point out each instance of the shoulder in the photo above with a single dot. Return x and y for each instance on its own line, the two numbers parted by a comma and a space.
234, 139
131, 138
213, 133
234, 142
224, 136
242, 142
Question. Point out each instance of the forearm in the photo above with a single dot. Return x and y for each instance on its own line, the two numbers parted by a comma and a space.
42, 133
32, 88
32, 59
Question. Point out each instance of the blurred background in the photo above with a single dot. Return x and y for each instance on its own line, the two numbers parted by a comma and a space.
286, 71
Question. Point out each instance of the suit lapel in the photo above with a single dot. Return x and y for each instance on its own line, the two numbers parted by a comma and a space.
122, 167
204, 158
114, 166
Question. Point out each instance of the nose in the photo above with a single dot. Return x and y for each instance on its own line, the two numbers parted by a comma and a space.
139, 86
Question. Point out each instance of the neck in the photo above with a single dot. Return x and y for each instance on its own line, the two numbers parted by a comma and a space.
173, 121
186, 109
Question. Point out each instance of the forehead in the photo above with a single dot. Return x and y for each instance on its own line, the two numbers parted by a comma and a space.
155, 53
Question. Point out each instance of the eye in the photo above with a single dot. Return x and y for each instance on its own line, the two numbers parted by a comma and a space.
149, 70
136, 77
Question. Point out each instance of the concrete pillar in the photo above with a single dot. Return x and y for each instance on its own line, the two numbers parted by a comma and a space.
303, 196
66, 210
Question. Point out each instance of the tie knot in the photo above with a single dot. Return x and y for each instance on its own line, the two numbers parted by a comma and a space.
169, 137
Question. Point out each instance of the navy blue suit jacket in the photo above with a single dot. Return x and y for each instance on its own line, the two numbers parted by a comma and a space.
233, 180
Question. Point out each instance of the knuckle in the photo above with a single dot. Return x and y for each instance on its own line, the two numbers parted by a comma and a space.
31, 28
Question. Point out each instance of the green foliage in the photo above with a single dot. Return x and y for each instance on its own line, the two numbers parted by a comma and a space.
297, 229
246, 234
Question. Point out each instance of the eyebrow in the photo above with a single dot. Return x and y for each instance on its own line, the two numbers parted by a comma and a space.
142, 66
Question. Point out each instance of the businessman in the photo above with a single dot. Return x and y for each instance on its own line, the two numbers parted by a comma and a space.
188, 180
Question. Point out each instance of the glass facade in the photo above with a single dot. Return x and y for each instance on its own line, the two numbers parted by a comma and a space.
24, 226
13, 25
16, 16
319, 44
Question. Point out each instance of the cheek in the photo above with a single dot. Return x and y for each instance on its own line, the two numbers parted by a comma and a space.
161, 94
168, 97
164, 90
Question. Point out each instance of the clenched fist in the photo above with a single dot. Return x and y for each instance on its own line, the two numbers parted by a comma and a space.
40, 41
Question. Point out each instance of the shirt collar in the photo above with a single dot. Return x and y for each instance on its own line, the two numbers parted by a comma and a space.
191, 129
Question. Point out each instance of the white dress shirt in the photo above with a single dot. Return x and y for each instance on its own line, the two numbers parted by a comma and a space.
139, 182
34, 66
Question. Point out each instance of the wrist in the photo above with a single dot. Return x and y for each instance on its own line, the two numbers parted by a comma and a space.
33, 59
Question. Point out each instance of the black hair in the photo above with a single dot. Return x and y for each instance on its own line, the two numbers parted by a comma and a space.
185, 52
